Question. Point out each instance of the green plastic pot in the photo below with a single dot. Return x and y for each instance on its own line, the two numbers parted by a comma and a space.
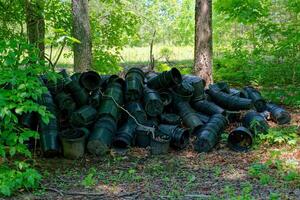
136, 109
112, 95
220, 87
160, 143
84, 116
240, 139
255, 122
153, 104
47, 101
170, 118
49, 138
207, 107
183, 92
257, 99
209, 135
125, 135
229, 102
134, 84
65, 102
179, 136
90, 80
166, 97
49, 143
29, 120
278, 114
102, 135
233, 116
166, 79
143, 136
189, 116
78, 93
95, 99
198, 85
73, 142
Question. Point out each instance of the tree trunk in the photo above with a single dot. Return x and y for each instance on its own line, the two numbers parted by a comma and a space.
36, 24
203, 40
82, 32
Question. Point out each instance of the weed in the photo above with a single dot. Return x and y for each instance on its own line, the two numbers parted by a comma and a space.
281, 135
217, 171
90, 180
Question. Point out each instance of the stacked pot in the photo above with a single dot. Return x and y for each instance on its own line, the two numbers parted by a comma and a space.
95, 113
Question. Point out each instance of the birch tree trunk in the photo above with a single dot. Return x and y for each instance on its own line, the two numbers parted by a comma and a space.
82, 32
203, 40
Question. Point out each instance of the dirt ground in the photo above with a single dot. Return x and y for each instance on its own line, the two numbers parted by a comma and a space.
220, 174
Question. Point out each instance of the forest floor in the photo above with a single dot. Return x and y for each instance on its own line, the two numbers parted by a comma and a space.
266, 172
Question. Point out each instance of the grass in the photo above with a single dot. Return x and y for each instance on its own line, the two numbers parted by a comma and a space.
141, 54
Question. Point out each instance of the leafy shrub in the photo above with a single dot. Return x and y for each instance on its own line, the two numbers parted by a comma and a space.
19, 92
12, 179
281, 135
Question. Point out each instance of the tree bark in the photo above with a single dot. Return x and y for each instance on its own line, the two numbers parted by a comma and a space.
82, 32
203, 40
36, 24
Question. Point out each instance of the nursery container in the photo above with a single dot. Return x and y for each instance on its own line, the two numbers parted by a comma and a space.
102, 135
153, 104
278, 114
166, 79
240, 139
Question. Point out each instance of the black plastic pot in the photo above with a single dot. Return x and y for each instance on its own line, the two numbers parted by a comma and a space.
112, 95
137, 110
78, 93
95, 99
235, 92
170, 118
220, 87
84, 116
49, 138
240, 139
143, 136
198, 85
189, 116
90, 80
278, 114
233, 116
257, 99
29, 120
54, 85
150, 74
166, 79
230, 102
73, 142
75, 77
65, 102
203, 118
207, 107
125, 135
209, 135
49, 132
102, 135
153, 104
179, 136
166, 97
134, 84
160, 143
255, 122
183, 92
47, 100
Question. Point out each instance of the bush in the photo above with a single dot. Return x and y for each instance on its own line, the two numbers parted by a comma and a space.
19, 92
